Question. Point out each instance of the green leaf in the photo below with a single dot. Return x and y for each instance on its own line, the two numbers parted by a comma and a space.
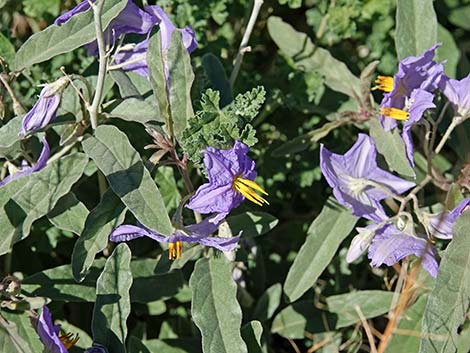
268, 303
133, 109
449, 300
307, 57
11, 339
372, 303
214, 306
100, 222
131, 84
178, 345
390, 145
29, 198
215, 72
7, 49
9, 138
165, 179
447, 51
299, 317
55, 40
21, 332
459, 17
69, 214
251, 224
416, 27
38, 9
130, 180
136, 346
324, 236
113, 305
406, 335
251, 334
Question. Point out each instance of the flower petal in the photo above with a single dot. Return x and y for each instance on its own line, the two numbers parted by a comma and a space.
128, 232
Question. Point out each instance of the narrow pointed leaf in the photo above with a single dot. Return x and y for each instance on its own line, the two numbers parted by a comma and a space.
251, 334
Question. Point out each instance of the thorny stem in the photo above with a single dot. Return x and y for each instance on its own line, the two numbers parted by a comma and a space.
246, 37
18, 108
103, 63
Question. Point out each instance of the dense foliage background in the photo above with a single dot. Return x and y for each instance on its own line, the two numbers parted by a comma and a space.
286, 105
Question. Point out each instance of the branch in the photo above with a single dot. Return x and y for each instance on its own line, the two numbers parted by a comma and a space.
246, 37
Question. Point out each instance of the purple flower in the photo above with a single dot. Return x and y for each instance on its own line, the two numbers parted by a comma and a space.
458, 94
390, 245
357, 182
82, 7
27, 170
49, 334
198, 233
231, 173
440, 225
413, 72
136, 55
97, 348
45, 109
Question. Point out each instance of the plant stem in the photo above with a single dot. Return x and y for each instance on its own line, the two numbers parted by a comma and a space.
246, 37
456, 120
18, 108
103, 63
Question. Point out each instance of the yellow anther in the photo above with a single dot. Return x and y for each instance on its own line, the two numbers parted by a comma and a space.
384, 83
68, 340
245, 187
175, 250
395, 113
179, 248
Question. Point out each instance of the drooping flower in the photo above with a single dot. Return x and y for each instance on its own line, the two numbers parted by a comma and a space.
357, 182
414, 72
231, 179
45, 108
390, 245
49, 334
136, 55
27, 170
198, 233
440, 225
458, 94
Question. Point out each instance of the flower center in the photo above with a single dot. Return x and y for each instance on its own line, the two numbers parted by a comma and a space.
175, 250
395, 113
384, 83
357, 185
247, 189
68, 340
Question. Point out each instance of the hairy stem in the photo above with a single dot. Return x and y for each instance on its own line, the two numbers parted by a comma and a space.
246, 37
18, 108
456, 121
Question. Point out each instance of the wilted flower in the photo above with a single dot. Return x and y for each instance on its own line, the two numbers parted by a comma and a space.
458, 94
134, 56
440, 225
390, 245
197, 233
231, 173
357, 182
45, 109
49, 334
26, 170
414, 72
361, 242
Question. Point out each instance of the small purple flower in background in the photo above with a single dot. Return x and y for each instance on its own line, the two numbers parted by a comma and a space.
27, 170
231, 173
440, 225
49, 334
45, 108
357, 182
136, 55
97, 348
413, 72
390, 245
458, 94
197, 233
82, 7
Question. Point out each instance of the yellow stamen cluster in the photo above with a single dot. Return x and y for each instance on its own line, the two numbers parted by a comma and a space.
247, 188
175, 250
384, 83
395, 113
68, 340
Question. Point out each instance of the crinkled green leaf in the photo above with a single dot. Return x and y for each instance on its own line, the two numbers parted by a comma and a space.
214, 306
130, 180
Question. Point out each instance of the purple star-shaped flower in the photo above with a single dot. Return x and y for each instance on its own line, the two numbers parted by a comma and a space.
440, 225
231, 173
27, 170
390, 245
49, 334
136, 55
45, 108
357, 182
413, 72
198, 233
458, 94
